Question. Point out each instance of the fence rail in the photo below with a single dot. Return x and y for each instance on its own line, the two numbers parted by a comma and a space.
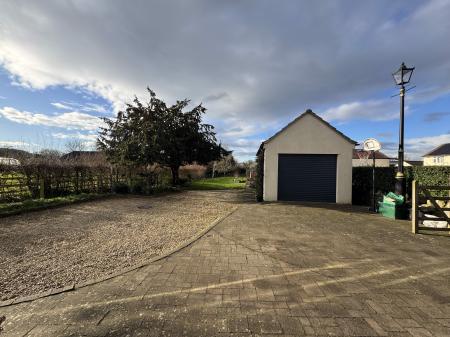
421, 194
17, 187
44, 181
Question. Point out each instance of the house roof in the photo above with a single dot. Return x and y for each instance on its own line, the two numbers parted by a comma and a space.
443, 149
415, 162
307, 112
378, 154
78, 154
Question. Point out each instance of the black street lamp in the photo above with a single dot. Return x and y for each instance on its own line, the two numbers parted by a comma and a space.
401, 77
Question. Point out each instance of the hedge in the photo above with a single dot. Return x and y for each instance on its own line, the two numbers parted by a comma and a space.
362, 183
259, 175
385, 180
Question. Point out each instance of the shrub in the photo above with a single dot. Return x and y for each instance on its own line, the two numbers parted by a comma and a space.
428, 175
137, 187
193, 171
259, 181
183, 181
362, 183
120, 188
385, 180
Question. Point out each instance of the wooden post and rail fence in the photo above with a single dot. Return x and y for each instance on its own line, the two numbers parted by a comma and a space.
17, 186
421, 194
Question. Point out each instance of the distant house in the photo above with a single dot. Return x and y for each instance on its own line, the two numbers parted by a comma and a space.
364, 158
413, 163
79, 154
89, 156
6, 152
9, 161
440, 156
406, 163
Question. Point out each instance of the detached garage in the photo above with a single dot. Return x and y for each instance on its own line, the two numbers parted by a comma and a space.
308, 160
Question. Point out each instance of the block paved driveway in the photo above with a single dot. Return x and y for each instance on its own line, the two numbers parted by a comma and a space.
270, 270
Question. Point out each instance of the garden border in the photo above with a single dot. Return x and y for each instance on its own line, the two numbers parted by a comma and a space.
75, 286
63, 204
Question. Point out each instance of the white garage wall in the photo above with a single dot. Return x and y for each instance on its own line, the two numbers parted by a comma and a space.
309, 135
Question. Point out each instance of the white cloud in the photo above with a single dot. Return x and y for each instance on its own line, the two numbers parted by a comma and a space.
377, 110
78, 135
245, 62
21, 145
88, 140
14, 144
88, 107
243, 148
239, 129
67, 120
92, 107
416, 147
61, 106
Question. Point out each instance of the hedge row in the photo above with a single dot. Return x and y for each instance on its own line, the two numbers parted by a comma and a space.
49, 180
385, 180
259, 183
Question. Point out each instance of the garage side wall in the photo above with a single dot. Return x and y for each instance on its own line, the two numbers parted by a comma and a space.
309, 135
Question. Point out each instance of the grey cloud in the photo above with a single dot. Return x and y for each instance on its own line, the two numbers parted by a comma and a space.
435, 116
216, 97
272, 59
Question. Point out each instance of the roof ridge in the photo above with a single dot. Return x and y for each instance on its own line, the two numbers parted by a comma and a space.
435, 149
312, 113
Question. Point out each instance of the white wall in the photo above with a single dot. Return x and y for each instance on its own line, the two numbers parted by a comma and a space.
443, 160
368, 162
309, 135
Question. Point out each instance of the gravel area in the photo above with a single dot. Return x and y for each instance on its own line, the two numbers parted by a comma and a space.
58, 247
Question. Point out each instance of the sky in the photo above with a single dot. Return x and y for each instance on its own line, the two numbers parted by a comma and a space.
254, 64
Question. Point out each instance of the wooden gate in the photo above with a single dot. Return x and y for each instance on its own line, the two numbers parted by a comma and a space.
421, 194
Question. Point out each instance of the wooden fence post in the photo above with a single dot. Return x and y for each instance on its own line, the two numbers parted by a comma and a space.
41, 188
415, 207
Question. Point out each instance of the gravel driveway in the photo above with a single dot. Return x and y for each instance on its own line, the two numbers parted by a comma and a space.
58, 247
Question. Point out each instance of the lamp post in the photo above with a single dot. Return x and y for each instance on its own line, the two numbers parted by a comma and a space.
401, 77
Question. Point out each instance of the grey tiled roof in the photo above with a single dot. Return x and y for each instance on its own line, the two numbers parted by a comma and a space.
439, 151
308, 112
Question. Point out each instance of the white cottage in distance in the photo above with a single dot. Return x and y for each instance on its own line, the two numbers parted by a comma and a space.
9, 161
439, 156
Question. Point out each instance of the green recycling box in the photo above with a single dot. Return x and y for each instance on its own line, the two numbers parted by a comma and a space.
393, 211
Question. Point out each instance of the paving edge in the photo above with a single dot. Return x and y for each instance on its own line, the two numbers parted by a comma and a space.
121, 272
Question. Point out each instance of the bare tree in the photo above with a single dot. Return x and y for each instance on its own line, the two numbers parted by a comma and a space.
226, 165
75, 145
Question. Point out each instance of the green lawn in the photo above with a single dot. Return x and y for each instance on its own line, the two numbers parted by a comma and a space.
220, 183
37, 204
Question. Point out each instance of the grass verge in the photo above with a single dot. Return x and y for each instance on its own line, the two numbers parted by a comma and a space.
220, 183
13, 208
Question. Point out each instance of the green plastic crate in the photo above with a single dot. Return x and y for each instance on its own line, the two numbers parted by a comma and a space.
392, 211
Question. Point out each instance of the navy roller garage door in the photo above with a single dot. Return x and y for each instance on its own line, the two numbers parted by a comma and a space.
307, 177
